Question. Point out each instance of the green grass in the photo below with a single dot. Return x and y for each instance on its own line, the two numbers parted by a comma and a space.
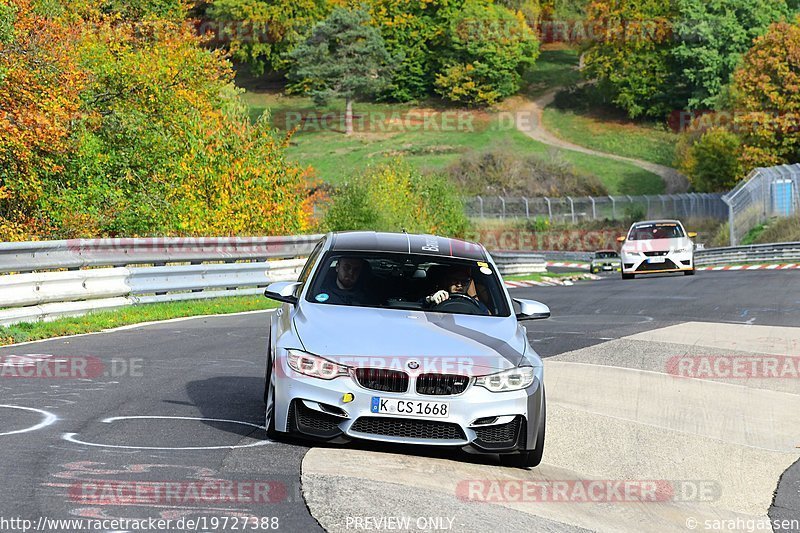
131, 315
554, 68
389, 131
644, 141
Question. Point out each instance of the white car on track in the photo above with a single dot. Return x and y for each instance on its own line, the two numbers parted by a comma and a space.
657, 246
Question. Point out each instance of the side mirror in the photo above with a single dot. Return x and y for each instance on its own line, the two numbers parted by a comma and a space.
692, 234
620, 239
282, 291
532, 310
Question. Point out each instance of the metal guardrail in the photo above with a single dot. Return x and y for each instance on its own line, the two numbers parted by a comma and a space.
510, 263
757, 253
73, 254
52, 279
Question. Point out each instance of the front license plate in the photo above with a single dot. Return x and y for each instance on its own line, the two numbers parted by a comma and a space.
386, 406
656, 260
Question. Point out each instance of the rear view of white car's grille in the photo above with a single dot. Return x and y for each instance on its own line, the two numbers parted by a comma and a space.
441, 384
382, 380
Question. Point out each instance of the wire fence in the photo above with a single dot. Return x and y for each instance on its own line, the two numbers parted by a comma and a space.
577, 209
766, 193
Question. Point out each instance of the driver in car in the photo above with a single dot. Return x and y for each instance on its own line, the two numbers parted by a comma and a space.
457, 281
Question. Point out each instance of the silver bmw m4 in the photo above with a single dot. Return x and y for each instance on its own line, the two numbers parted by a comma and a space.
407, 339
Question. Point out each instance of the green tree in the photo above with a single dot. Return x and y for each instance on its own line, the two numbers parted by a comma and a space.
712, 162
711, 38
260, 32
657, 56
631, 53
487, 46
344, 57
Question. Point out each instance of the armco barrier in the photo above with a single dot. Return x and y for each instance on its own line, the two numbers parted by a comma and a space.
510, 263
82, 253
757, 253
207, 268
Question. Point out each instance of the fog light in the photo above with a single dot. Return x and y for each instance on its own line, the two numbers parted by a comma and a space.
348, 397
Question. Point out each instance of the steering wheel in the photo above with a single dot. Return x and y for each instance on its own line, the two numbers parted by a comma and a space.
460, 303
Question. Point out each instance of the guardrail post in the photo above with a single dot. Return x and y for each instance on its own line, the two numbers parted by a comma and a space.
503, 203
731, 221
549, 209
613, 208
527, 209
594, 209
480, 200
571, 208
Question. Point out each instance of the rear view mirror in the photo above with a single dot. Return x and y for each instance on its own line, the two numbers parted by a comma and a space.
620, 239
692, 234
282, 291
532, 310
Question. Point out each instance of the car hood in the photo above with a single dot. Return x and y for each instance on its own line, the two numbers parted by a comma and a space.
392, 337
657, 245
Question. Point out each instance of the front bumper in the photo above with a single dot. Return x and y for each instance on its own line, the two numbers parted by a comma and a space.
605, 267
671, 261
315, 408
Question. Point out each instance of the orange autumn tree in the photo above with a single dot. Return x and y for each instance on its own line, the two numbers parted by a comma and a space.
133, 127
766, 89
39, 86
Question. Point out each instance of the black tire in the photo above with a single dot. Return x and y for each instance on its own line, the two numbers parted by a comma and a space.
532, 458
628, 276
688, 272
269, 414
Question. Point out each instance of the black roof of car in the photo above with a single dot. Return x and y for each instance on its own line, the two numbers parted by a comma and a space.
371, 241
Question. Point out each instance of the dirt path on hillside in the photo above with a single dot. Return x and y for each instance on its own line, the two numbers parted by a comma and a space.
529, 121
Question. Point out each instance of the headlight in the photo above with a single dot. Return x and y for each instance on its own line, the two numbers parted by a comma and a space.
316, 367
507, 380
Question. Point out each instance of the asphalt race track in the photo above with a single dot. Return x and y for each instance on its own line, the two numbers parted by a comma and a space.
163, 421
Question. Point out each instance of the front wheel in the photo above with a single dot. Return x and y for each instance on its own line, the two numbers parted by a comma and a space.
688, 272
628, 276
532, 458
269, 401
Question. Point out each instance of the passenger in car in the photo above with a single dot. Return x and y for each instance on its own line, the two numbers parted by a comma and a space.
348, 286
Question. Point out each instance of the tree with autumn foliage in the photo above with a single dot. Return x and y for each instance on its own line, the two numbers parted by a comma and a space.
40, 83
120, 122
766, 88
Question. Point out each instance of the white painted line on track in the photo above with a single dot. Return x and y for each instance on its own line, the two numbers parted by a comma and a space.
70, 437
48, 419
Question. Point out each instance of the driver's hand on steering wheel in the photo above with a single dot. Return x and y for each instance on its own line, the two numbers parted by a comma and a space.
438, 297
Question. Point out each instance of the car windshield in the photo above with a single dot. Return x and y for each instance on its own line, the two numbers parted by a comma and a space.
606, 255
647, 232
408, 281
